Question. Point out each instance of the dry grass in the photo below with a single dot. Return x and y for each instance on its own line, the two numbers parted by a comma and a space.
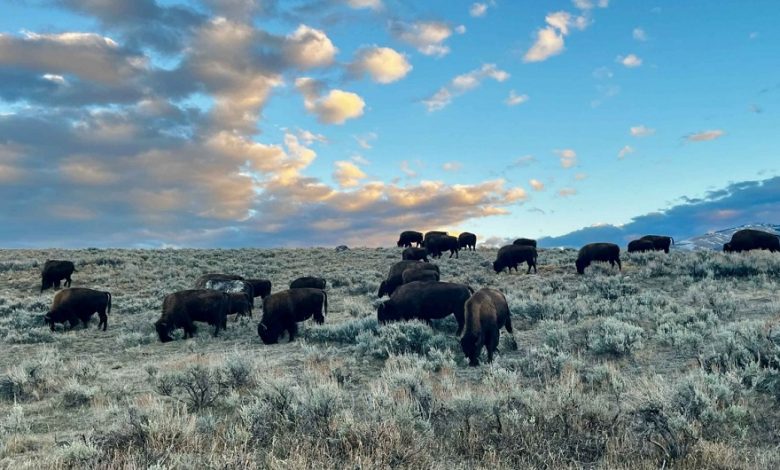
674, 362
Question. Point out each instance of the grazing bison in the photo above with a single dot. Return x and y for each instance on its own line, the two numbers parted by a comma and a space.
412, 274
640, 246
182, 308
660, 242
240, 304
598, 252
510, 256
750, 239
233, 286
395, 276
79, 303
54, 271
525, 242
409, 237
308, 281
342, 248
431, 234
260, 287
468, 241
200, 283
283, 310
425, 301
436, 245
486, 312
415, 254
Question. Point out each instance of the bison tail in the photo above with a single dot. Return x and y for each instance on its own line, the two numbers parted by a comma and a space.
325, 302
672, 240
108, 302
471, 291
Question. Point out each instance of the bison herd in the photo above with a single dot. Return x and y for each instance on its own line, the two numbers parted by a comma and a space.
413, 285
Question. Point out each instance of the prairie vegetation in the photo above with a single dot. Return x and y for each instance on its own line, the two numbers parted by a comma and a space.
675, 363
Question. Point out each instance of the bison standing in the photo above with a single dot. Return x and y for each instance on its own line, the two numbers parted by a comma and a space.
511, 256
260, 287
640, 246
415, 254
608, 252
54, 271
395, 276
425, 301
750, 239
467, 241
436, 245
660, 242
486, 312
283, 310
308, 281
182, 308
409, 237
79, 303
525, 242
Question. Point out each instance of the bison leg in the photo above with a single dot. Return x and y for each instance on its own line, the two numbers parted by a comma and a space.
67, 281
292, 330
318, 318
103, 320
620, 267
189, 329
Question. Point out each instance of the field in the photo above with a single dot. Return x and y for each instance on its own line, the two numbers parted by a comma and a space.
675, 363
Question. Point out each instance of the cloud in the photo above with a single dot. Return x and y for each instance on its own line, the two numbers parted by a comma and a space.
452, 166
428, 37
309, 48
549, 40
704, 135
737, 204
641, 131
375, 5
639, 34
631, 61
462, 84
580, 176
626, 150
514, 99
309, 137
478, 10
347, 174
335, 107
590, 4
567, 192
383, 64
365, 140
407, 170
568, 157
536, 185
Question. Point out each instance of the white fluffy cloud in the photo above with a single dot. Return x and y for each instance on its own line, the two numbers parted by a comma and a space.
452, 166
626, 150
536, 184
549, 40
375, 5
478, 10
347, 174
335, 107
462, 84
641, 131
631, 61
639, 34
428, 37
383, 64
704, 135
514, 99
308, 48
568, 157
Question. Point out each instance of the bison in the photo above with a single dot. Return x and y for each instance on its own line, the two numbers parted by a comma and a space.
308, 281
608, 252
431, 234
240, 304
200, 283
750, 239
660, 242
180, 309
467, 240
79, 303
640, 246
233, 286
54, 271
412, 274
260, 287
511, 255
486, 312
425, 301
415, 254
283, 310
436, 245
407, 238
525, 242
395, 276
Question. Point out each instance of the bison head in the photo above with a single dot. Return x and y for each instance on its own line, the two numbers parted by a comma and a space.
266, 335
48, 320
385, 312
727, 247
382, 289
163, 331
581, 265
498, 266
470, 348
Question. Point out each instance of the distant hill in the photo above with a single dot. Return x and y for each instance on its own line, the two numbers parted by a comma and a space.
715, 240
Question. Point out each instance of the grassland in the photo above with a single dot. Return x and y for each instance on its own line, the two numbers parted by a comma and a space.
672, 363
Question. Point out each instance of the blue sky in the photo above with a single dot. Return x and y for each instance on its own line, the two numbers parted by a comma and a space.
316, 122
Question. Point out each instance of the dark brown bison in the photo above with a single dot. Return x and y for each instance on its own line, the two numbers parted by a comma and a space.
510, 256
283, 310
412, 274
660, 242
182, 308
260, 287
640, 246
308, 281
200, 283
395, 276
437, 245
409, 237
240, 304
233, 286
54, 271
608, 252
425, 301
415, 254
750, 239
468, 241
431, 234
525, 242
486, 312
79, 303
